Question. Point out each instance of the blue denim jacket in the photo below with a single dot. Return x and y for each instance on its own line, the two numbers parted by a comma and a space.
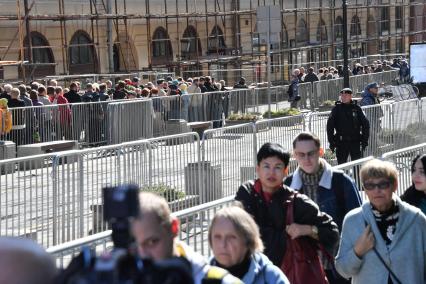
337, 192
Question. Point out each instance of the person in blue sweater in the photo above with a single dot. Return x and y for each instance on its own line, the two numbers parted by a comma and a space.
235, 240
384, 241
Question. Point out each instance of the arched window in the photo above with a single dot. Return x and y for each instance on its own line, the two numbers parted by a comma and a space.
216, 42
40, 53
302, 36
322, 36
190, 44
82, 57
384, 20
338, 29
355, 26
162, 51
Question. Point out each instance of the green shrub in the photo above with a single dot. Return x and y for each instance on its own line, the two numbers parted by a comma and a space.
245, 116
166, 191
328, 103
283, 112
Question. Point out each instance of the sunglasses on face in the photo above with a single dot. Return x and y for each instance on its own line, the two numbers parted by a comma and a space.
381, 185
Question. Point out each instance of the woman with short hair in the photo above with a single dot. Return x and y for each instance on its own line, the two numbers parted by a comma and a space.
235, 240
384, 241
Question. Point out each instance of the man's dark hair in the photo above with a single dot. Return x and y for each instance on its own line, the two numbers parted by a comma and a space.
307, 136
273, 150
41, 89
73, 86
50, 90
102, 87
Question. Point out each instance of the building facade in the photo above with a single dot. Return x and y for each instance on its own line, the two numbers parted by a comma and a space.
190, 37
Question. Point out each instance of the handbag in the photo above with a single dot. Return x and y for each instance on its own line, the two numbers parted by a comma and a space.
301, 263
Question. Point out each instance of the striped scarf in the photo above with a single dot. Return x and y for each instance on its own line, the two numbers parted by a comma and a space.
311, 181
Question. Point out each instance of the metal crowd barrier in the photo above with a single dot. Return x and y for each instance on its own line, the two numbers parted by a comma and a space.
195, 221
228, 159
99, 123
26, 194
130, 120
67, 184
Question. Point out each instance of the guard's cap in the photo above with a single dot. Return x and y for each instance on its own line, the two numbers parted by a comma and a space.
346, 91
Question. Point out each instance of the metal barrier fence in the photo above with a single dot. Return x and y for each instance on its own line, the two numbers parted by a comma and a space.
195, 221
130, 121
69, 182
26, 192
402, 159
98, 123
228, 158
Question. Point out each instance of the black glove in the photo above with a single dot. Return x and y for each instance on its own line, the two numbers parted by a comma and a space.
332, 148
364, 146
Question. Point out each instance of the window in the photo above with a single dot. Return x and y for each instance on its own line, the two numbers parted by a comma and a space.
384, 20
398, 17
190, 44
81, 49
161, 46
40, 52
355, 27
322, 32
338, 29
216, 42
399, 45
302, 36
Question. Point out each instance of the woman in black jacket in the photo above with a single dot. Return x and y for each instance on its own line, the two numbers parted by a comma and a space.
265, 199
416, 193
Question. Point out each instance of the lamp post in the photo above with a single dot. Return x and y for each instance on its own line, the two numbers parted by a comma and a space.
345, 45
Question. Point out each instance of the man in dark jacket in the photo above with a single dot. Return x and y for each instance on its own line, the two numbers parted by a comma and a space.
72, 96
348, 128
311, 76
335, 192
265, 199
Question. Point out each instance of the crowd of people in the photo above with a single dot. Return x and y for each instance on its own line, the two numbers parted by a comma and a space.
307, 227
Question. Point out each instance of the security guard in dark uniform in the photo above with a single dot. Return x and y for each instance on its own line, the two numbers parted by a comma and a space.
347, 128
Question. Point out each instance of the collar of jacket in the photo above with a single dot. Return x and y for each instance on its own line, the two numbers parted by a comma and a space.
407, 215
324, 182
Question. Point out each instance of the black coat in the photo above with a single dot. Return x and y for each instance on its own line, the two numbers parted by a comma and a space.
271, 217
72, 97
347, 123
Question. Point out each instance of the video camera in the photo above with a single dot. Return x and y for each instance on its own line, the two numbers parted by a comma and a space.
122, 264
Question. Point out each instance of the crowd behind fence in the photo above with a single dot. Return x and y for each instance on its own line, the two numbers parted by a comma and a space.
194, 222
112, 122
56, 198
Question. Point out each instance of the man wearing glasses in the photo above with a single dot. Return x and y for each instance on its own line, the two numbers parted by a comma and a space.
348, 128
334, 191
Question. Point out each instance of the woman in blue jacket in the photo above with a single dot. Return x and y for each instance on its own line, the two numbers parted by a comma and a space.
235, 240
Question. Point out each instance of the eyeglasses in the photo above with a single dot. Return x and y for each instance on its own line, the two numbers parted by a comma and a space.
309, 154
381, 185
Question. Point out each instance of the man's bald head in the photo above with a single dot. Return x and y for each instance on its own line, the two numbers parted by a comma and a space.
22, 261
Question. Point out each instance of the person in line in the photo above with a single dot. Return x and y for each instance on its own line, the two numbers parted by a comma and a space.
416, 193
334, 191
235, 241
24, 261
384, 241
155, 231
293, 89
348, 128
265, 199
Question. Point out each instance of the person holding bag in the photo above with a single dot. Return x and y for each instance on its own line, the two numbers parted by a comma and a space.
384, 241
267, 200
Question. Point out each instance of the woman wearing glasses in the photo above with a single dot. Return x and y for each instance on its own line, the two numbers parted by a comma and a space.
384, 241
416, 193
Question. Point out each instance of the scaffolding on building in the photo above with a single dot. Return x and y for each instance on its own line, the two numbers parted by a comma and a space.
311, 32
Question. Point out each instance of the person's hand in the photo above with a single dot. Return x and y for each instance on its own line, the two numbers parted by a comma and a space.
332, 148
296, 230
365, 242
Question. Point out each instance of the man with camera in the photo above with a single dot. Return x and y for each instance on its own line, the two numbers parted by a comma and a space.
155, 231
